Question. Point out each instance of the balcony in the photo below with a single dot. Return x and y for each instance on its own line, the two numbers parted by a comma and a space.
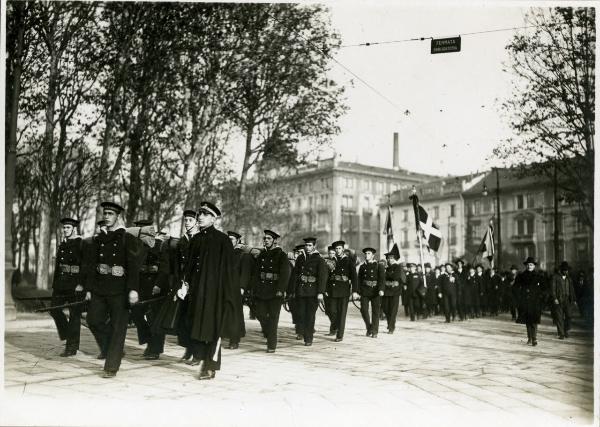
521, 238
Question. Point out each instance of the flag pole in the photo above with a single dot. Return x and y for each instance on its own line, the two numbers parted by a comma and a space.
415, 201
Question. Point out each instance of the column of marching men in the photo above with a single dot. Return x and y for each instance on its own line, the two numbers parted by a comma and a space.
195, 287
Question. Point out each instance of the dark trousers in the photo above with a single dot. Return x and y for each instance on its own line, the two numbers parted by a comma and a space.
267, 312
183, 328
68, 329
389, 306
208, 353
307, 307
240, 332
338, 310
328, 301
110, 335
372, 324
143, 316
408, 300
562, 315
296, 318
449, 306
531, 331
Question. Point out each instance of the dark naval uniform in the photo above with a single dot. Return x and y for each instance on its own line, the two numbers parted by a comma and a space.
244, 265
116, 261
493, 290
470, 289
293, 302
342, 281
212, 295
272, 276
410, 298
461, 292
154, 271
310, 279
371, 279
431, 295
394, 280
449, 295
68, 273
182, 259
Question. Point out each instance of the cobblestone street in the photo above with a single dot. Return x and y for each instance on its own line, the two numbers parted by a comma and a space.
428, 371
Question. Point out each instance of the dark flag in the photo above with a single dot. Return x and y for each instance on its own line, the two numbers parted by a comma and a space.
430, 232
487, 244
388, 229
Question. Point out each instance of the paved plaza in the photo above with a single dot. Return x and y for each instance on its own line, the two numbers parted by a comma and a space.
428, 372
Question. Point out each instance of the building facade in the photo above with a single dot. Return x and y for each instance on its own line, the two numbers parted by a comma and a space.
442, 200
463, 207
334, 200
527, 221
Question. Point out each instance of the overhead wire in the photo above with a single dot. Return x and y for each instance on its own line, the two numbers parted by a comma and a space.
414, 39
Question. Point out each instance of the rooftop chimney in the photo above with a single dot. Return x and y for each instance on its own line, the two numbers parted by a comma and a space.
396, 152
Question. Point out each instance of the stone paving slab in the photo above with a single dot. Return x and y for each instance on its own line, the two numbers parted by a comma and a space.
480, 371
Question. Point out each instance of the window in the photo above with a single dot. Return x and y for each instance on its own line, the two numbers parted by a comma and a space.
365, 185
380, 189
486, 205
520, 201
310, 202
298, 203
453, 210
476, 232
579, 225
347, 202
531, 201
452, 237
581, 250
405, 215
322, 219
405, 238
348, 182
367, 203
300, 188
436, 212
524, 227
394, 188
477, 207
526, 251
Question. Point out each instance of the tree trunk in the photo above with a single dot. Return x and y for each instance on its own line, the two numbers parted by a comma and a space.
41, 276
246, 166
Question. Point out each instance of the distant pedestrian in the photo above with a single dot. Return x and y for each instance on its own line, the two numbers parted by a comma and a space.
563, 296
530, 290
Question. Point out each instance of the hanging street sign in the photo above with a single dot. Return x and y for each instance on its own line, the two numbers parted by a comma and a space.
451, 44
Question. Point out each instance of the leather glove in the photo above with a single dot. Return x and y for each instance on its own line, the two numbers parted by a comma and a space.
133, 297
155, 290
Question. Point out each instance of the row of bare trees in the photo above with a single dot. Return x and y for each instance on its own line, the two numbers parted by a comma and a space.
143, 103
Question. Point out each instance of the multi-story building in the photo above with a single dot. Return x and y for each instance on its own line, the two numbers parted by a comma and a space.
463, 207
334, 199
527, 221
442, 199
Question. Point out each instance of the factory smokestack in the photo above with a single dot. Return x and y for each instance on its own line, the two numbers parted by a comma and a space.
396, 152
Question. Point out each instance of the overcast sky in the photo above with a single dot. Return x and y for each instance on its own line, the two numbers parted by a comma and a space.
454, 98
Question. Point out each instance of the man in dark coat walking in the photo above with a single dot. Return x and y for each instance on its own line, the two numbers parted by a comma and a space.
154, 283
67, 286
182, 259
115, 282
409, 296
343, 280
449, 293
310, 283
371, 279
269, 285
244, 267
212, 291
530, 288
394, 280
562, 294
